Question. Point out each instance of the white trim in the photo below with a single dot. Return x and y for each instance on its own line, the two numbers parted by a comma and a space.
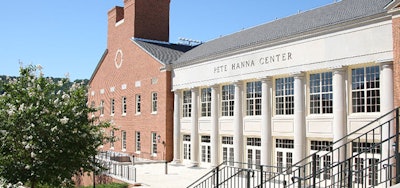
119, 22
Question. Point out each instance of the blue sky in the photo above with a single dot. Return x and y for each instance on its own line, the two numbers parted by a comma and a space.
69, 36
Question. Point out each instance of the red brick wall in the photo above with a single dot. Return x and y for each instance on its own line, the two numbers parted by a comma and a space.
152, 19
396, 60
137, 65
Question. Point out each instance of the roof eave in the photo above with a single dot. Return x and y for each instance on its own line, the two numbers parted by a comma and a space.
315, 32
98, 65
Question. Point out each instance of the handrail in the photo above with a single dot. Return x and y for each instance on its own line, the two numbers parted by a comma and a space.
370, 140
358, 138
212, 171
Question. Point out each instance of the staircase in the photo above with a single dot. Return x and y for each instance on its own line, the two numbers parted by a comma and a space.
366, 157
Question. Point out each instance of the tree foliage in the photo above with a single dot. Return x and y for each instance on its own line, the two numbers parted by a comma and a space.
46, 133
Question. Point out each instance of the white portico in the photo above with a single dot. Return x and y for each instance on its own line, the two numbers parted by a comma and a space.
275, 102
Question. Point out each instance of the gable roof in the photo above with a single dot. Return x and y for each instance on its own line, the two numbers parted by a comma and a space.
164, 52
330, 15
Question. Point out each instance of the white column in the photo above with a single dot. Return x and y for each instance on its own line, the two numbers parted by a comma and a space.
215, 127
387, 104
177, 127
266, 130
386, 84
339, 112
299, 119
238, 124
194, 136
339, 120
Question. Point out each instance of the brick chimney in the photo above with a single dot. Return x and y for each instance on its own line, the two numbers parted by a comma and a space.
147, 19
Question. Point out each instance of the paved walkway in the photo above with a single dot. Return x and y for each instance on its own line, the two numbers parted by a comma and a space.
178, 176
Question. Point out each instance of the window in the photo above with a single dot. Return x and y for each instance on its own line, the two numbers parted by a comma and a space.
123, 135
112, 139
227, 150
366, 166
365, 89
206, 102
138, 101
92, 105
186, 147
187, 103
153, 144
284, 154
284, 96
254, 152
253, 98
123, 105
112, 109
228, 100
102, 107
205, 149
137, 137
154, 104
323, 159
321, 95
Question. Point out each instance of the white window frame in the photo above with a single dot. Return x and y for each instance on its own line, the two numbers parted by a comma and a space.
228, 151
93, 105
321, 93
112, 135
323, 149
365, 89
286, 147
253, 98
206, 102
154, 102
361, 162
253, 150
205, 149
124, 105
284, 96
138, 100
101, 107
137, 142
227, 100
186, 147
112, 106
123, 140
187, 103
154, 144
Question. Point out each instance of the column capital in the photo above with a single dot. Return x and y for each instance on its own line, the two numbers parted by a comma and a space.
176, 90
214, 86
338, 69
237, 83
267, 79
194, 89
386, 64
298, 75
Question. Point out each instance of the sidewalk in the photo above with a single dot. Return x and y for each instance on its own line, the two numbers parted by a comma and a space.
179, 176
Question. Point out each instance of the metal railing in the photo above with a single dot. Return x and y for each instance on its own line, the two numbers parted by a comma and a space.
117, 165
367, 157
233, 174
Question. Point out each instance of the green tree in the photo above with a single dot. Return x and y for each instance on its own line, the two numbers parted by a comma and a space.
47, 135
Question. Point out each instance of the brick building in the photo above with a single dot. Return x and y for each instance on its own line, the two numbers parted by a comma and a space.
268, 95
131, 84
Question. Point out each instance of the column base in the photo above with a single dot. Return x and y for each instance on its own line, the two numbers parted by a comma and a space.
176, 162
194, 164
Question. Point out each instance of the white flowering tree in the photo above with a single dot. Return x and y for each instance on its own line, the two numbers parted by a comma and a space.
46, 134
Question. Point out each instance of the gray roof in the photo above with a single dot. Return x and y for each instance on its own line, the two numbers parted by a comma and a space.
330, 15
165, 52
